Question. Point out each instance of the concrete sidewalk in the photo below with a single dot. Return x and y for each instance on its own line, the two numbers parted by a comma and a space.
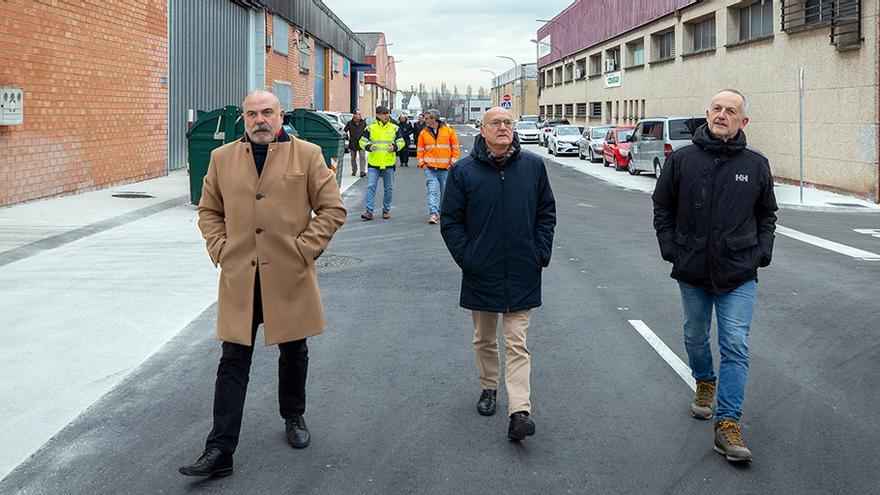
91, 285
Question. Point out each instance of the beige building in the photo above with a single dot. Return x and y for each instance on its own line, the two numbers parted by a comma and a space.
675, 62
521, 87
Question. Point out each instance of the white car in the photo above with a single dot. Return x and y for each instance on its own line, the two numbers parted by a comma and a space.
339, 120
564, 139
528, 131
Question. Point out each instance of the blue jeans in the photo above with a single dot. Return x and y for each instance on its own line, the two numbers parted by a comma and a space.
435, 178
733, 312
373, 175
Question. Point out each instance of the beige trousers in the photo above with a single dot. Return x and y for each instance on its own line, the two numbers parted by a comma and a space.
517, 360
354, 162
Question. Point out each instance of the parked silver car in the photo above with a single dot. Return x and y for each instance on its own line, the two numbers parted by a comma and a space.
592, 142
563, 139
528, 131
338, 121
656, 138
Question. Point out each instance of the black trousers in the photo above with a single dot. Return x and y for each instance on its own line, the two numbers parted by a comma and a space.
404, 156
232, 380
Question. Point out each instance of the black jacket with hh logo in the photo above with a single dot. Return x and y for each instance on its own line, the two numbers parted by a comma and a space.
714, 212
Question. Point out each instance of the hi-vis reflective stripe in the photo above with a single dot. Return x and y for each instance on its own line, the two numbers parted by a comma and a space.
421, 149
441, 146
382, 141
436, 160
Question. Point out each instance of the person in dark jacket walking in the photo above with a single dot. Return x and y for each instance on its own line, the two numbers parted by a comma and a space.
498, 218
355, 129
406, 131
714, 213
418, 127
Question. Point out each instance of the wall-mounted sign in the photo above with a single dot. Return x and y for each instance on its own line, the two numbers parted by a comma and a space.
612, 79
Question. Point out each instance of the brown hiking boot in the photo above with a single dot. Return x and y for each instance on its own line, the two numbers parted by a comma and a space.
701, 407
729, 441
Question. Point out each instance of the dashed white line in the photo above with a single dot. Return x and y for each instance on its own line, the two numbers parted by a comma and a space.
829, 245
682, 369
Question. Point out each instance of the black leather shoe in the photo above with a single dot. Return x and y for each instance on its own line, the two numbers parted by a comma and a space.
486, 406
297, 432
521, 426
212, 462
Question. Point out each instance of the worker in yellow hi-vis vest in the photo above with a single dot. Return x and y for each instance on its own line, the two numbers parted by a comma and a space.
381, 140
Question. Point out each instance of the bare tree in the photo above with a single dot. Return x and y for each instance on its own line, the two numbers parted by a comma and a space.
481, 93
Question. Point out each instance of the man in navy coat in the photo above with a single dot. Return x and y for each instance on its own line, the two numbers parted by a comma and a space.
498, 217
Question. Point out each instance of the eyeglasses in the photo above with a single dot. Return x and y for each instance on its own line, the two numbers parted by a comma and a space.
498, 123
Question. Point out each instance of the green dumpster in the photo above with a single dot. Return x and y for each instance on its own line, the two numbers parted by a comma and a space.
315, 128
210, 131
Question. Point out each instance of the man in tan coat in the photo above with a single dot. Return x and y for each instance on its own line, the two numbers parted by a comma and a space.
256, 217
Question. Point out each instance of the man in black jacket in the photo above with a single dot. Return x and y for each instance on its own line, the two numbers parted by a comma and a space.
406, 131
498, 218
355, 129
714, 213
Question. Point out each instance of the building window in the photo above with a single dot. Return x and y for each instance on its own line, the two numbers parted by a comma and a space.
635, 51
569, 110
305, 55
557, 76
580, 70
612, 59
816, 11
334, 62
756, 20
284, 94
703, 34
595, 64
346, 67
595, 109
642, 107
557, 111
807, 13
279, 35
581, 110
664, 45
569, 72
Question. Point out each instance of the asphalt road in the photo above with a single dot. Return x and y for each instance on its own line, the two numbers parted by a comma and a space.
392, 386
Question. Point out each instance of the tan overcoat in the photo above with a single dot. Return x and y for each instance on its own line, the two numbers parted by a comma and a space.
266, 221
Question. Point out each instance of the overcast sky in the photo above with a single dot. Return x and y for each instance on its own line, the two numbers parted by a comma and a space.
451, 40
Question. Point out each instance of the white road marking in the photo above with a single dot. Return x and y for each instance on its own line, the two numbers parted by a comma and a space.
871, 232
682, 369
829, 245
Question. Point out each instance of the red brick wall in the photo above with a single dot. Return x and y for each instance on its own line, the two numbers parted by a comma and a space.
95, 106
340, 85
281, 67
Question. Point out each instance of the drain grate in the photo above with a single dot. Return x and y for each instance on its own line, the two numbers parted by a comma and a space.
334, 261
132, 195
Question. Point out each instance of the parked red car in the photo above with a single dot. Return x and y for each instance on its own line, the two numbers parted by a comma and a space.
616, 149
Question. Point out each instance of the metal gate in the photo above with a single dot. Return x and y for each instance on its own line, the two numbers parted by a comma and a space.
208, 61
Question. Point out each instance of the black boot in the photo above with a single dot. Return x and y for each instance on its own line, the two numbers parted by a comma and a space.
297, 432
486, 405
212, 462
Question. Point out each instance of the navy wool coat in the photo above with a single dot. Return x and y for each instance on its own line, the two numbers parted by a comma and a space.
498, 226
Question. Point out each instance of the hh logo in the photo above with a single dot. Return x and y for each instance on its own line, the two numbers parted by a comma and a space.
741, 178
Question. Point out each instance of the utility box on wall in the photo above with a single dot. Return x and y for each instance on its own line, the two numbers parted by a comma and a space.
11, 106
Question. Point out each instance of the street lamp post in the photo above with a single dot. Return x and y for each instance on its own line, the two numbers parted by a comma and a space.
385, 75
522, 93
494, 77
